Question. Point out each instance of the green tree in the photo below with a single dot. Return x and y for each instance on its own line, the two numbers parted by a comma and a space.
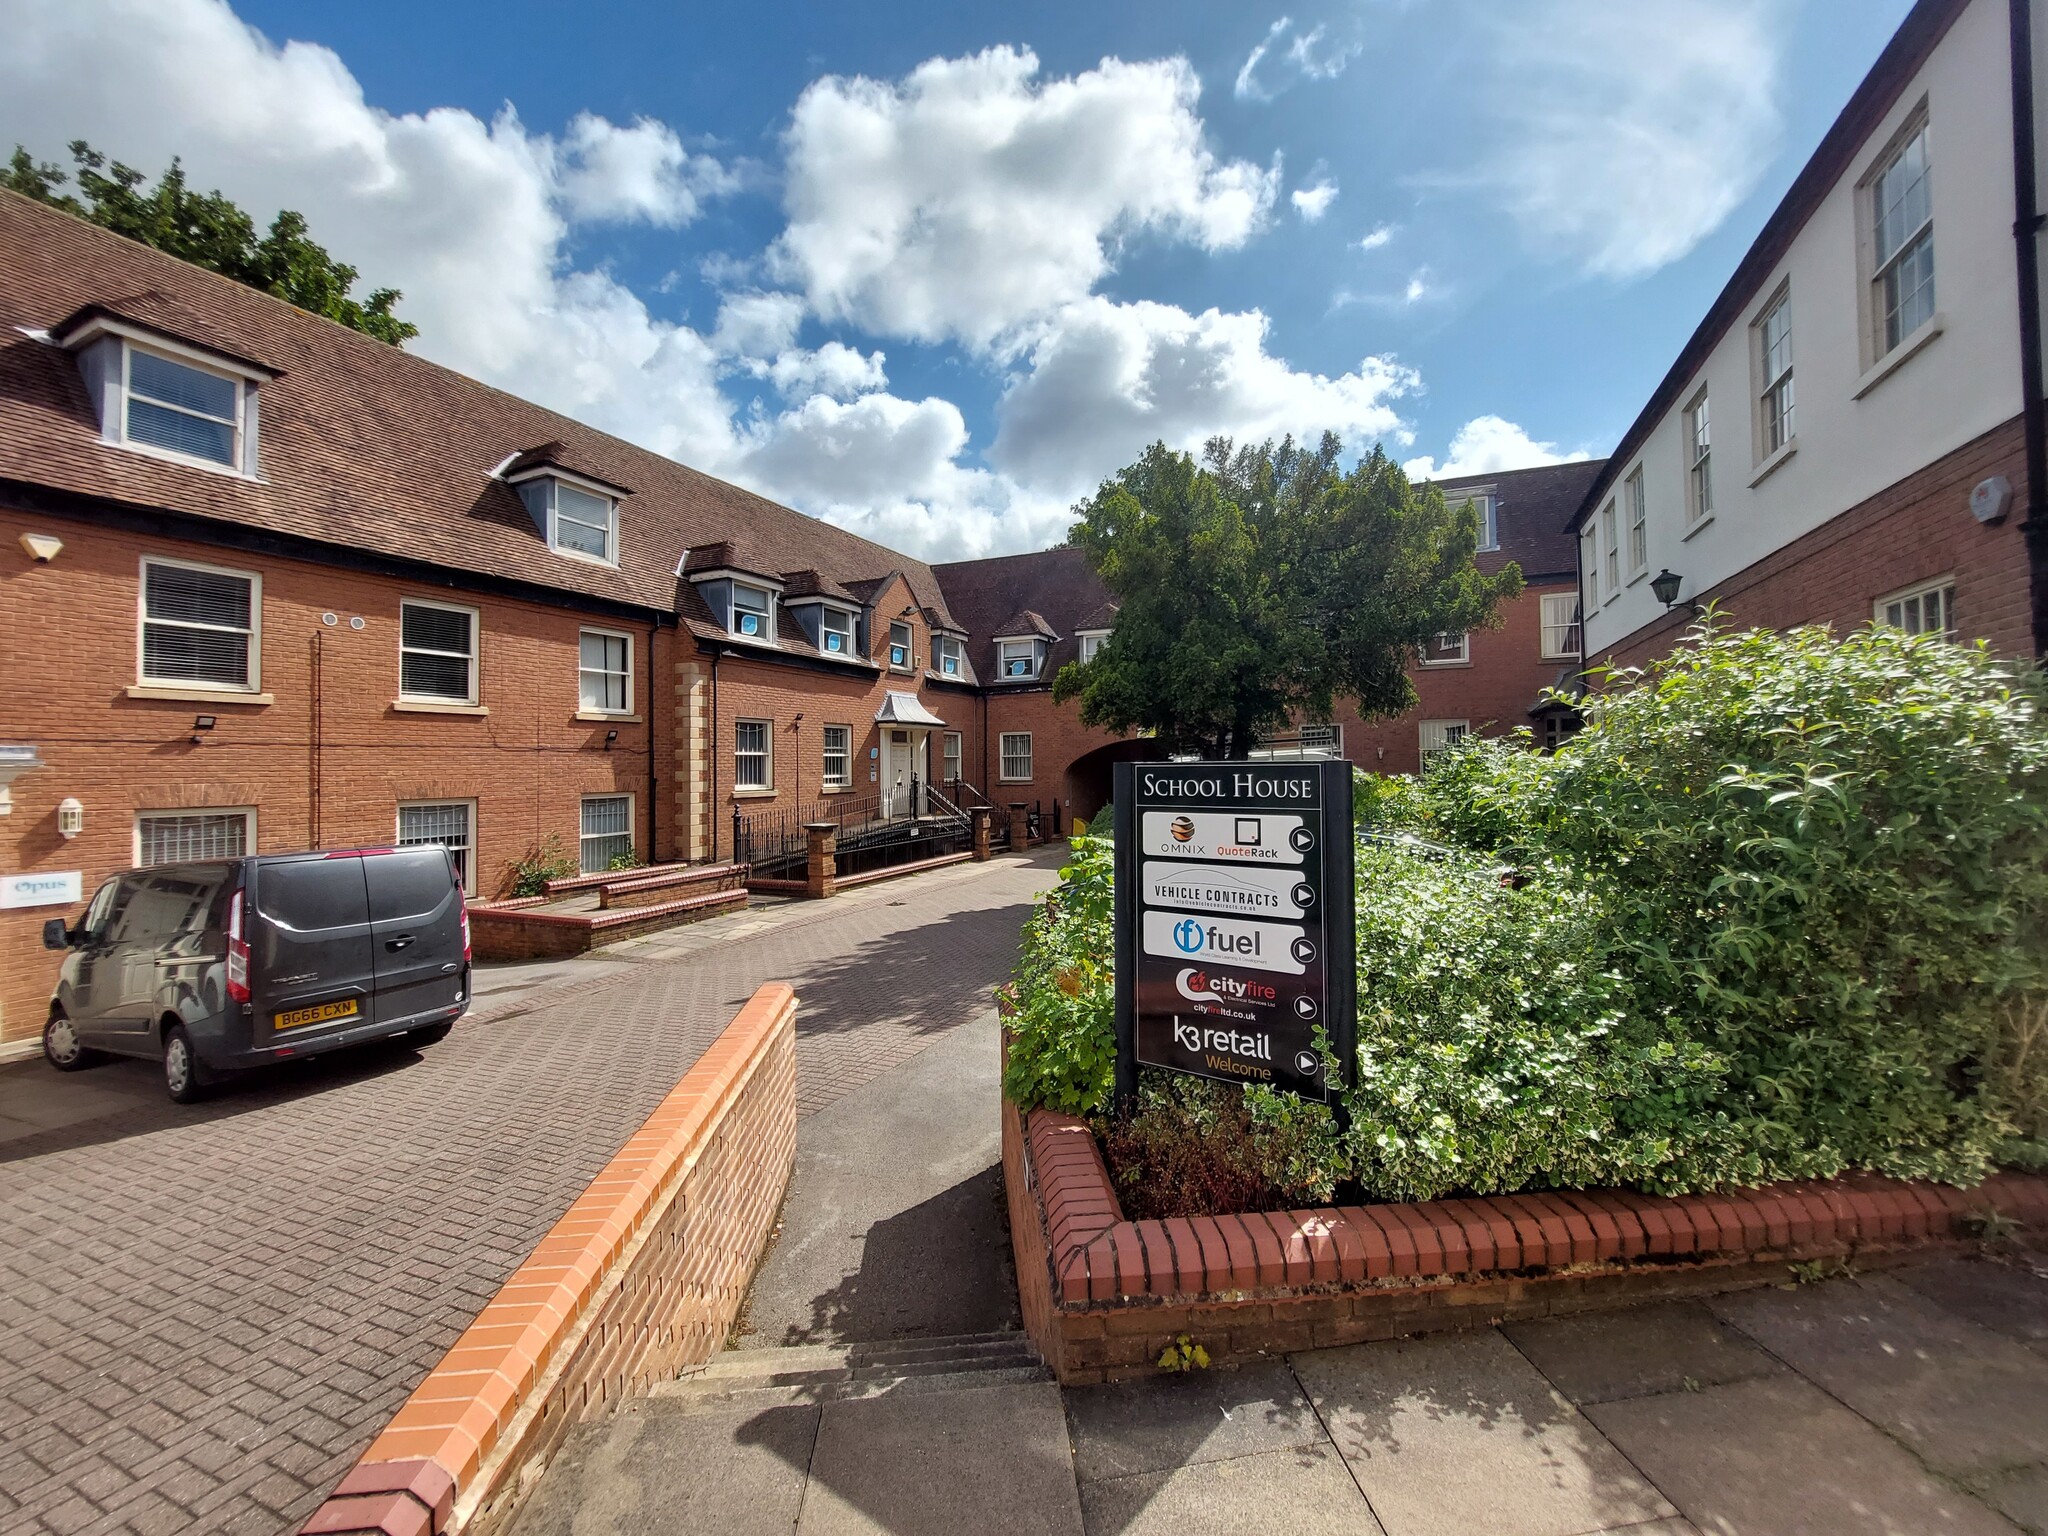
209, 230
1266, 581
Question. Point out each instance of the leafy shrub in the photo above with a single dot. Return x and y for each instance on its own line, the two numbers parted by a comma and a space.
1780, 910
541, 863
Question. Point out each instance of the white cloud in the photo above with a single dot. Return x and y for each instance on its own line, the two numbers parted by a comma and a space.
1376, 237
758, 325
640, 172
971, 198
1418, 287
1106, 379
1308, 55
834, 369
1314, 201
1631, 128
1485, 445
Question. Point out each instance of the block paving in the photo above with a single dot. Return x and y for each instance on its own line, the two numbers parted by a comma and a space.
211, 1311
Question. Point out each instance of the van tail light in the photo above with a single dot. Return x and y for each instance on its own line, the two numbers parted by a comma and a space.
464, 909
238, 952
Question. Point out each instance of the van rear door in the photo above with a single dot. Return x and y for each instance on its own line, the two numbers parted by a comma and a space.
416, 925
310, 965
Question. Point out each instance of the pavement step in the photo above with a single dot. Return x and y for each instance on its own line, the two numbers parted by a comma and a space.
693, 1395
861, 1369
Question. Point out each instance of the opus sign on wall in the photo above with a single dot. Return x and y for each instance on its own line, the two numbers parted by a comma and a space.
1234, 939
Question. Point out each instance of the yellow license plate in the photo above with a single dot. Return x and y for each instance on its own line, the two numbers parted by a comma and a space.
319, 1014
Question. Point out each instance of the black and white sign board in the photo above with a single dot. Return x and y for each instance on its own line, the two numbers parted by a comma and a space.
1234, 936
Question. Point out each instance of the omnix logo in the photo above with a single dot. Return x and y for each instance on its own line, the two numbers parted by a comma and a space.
1201, 987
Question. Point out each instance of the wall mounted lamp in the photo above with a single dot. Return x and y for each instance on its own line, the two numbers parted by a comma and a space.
610, 737
70, 817
1664, 587
201, 724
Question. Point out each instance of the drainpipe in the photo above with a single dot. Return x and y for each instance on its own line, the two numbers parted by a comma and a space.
711, 811
2025, 231
653, 779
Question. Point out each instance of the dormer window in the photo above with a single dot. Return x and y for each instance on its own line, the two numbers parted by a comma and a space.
1091, 642
835, 631
183, 409
580, 520
158, 395
1487, 506
1018, 658
951, 662
753, 612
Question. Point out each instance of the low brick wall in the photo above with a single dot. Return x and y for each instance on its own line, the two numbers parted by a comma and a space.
645, 889
1103, 1296
518, 930
644, 1275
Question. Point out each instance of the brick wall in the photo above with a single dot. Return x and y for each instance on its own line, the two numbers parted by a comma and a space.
644, 1275
323, 769
1059, 745
1911, 532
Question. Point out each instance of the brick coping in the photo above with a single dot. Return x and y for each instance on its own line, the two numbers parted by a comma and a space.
493, 1378
519, 911
1099, 1258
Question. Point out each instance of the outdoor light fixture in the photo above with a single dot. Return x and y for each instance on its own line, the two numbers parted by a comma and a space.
201, 724
610, 737
70, 817
1664, 587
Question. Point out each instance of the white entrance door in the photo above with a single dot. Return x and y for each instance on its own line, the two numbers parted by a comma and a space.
904, 756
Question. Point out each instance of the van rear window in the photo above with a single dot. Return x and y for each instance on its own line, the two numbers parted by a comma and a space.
308, 895
414, 882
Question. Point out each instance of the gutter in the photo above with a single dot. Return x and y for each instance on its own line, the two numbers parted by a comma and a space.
2026, 229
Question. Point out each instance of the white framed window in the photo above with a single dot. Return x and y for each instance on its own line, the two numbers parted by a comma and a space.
1926, 609
604, 672
951, 660
201, 626
1016, 756
1322, 738
1560, 626
451, 823
607, 832
1017, 658
184, 837
1638, 522
950, 743
902, 656
1487, 505
753, 612
437, 652
1589, 562
835, 631
1772, 351
1439, 736
1699, 461
1610, 540
580, 521
1448, 649
1091, 642
1901, 212
182, 408
753, 755
839, 757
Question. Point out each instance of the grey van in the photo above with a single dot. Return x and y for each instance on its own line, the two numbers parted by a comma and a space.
235, 963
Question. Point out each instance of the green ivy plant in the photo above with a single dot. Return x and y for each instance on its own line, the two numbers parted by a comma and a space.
544, 861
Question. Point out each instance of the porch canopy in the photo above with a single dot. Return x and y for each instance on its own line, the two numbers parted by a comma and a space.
899, 708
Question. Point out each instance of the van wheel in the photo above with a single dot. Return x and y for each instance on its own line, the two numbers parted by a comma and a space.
433, 1034
184, 1079
62, 1048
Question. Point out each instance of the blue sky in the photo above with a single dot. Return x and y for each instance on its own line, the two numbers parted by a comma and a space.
932, 271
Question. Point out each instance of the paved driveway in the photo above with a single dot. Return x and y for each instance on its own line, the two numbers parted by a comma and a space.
209, 1312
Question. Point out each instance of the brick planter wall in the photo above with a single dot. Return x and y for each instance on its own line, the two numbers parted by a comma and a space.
1103, 1296
642, 1276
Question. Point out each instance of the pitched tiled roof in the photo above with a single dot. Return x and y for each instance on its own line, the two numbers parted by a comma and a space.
1055, 586
1025, 623
1532, 508
363, 444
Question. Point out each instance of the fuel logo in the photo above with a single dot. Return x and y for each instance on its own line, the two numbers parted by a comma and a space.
1190, 936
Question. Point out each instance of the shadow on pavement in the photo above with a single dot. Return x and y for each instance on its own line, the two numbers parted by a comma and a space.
927, 978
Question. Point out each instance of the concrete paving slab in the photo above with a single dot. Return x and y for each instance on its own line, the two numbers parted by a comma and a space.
1304, 1492
2006, 1296
739, 1472
1670, 1347
1963, 1398
894, 1225
1132, 1427
2022, 1496
1778, 1457
989, 1459
1459, 1433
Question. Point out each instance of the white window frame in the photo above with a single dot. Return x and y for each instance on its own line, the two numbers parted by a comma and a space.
476, 652
1324, 736
1004, 648
1562, 649
1489, 515
1610, 554
1091, 642
951, 656
766, 754
254, 632
556, 517
766, 610
1944, 586
1589, 562
246, 812
844, 778
1699, 459
1879, 346
468, 849
908, 646
842, 623
583, 706
952, 754
1462, 652
1436, 736
245, 391
631, 834
1773, 394
1008, 754
1638, 524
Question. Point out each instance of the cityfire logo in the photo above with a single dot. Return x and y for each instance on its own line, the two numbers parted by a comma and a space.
1201, 987
1190, 936
1183, 829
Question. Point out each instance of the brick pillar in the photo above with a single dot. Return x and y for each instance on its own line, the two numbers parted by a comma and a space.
1020, 826
821, 858
980, 816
